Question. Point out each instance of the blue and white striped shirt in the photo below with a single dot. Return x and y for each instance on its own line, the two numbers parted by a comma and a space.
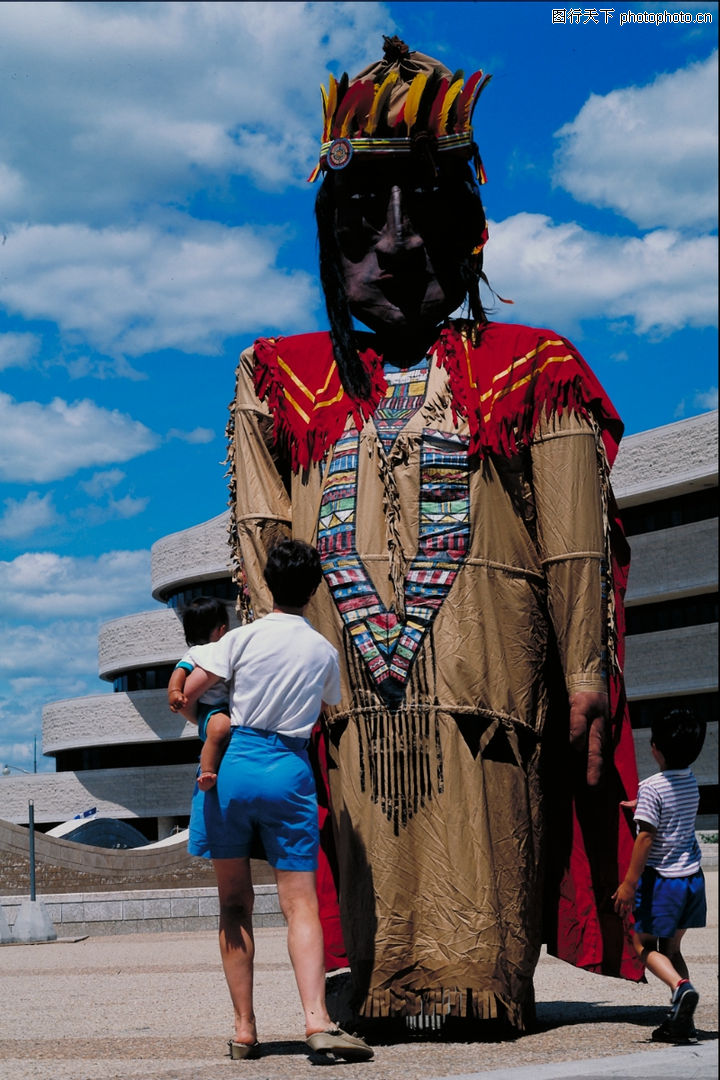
669, 801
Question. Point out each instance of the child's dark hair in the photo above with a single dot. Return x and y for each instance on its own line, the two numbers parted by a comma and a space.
201, 616
679, 736
293, 573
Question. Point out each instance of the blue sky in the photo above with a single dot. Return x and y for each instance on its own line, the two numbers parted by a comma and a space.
154, 220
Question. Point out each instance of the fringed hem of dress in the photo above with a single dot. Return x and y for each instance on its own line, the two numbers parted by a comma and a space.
466, 1003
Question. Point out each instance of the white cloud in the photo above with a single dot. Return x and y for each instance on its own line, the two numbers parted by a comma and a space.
67, 646
100, 485
137, 102
50, 586
707, 399
136, 290
561, 274
40, 442
17, 350
648, 152
23, 518
102, 482
700, 400
113, 510
10, 188
196, 436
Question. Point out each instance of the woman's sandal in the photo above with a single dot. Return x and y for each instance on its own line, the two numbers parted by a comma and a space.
340, 1044
243, 1051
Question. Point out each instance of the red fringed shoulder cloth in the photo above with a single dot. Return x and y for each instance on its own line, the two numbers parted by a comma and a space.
503, 378
501, 385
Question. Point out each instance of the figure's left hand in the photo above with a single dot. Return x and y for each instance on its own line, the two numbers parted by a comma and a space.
589, 731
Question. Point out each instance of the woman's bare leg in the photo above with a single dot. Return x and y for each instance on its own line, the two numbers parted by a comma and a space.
298, 901
237, 945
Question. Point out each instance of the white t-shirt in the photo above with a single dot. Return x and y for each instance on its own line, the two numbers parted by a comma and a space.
669, 801
281, 670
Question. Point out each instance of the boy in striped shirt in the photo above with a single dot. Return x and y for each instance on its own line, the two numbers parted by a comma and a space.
664, 883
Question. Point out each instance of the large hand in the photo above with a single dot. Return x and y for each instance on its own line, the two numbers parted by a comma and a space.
589, 722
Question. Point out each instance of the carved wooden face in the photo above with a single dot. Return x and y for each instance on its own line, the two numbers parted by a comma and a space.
403, 234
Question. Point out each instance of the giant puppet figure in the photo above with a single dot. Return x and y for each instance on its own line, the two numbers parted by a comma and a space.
454, 475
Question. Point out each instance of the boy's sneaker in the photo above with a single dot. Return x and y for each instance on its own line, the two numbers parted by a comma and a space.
670, 1032
683, 1004
678, 1026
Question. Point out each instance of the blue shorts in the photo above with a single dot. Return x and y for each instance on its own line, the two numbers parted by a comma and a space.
664, 905
204, 711
265, 790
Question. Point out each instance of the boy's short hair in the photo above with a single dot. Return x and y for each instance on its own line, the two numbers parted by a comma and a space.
679, 736
201, 616
293, 572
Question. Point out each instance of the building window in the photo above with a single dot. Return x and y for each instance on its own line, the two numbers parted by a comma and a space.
643, 713
672, 614
155, 678
129, 756
222, 588
708, 800
667, 513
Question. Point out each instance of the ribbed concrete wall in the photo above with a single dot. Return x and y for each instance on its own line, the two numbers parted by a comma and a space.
163, 791
682, 661
193, 555
664, 461
108, 719
673, 562
143, 911
143, 640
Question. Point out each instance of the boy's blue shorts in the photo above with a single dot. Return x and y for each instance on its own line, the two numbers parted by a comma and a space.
265, 789
664, 905
203, 712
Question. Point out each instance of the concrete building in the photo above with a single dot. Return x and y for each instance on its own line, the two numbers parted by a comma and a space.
127, 755
666, 484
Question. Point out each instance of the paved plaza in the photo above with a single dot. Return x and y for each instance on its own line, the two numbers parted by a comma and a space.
155, 1007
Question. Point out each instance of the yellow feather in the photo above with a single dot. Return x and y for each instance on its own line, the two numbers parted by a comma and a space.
331, 104
381, 96
412, 101
323, 92
447, 104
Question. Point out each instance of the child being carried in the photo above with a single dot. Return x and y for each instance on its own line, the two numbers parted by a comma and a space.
204, 621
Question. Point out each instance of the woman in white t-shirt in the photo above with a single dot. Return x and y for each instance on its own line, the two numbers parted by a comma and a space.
281, 673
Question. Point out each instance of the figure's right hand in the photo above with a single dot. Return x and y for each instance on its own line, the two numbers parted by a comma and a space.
178, 701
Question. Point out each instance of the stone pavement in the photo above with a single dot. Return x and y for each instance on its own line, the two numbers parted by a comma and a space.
155, 1007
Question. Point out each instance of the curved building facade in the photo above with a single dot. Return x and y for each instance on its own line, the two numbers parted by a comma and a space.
127, 755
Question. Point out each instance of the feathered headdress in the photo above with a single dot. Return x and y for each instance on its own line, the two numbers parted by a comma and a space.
391, 107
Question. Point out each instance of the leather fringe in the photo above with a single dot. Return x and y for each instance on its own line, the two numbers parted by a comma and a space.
449, 1001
